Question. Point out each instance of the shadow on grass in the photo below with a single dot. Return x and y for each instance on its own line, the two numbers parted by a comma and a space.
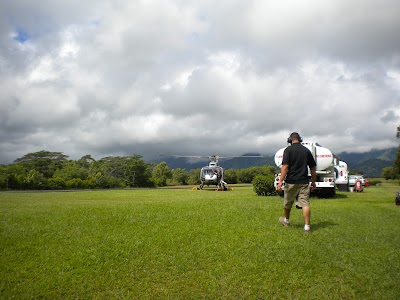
323, 224
211, 189
319, 225
337, 196
340, 196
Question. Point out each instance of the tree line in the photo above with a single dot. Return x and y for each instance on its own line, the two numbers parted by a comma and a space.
45, 170
394, 171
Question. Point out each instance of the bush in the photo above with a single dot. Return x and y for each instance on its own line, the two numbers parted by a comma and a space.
56, 183
89, 183
75, 183
263, 185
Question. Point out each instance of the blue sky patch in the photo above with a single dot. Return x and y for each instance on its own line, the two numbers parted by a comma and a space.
21, 36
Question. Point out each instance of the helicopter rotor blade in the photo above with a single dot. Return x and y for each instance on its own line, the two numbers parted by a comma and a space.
186, 156
212, 156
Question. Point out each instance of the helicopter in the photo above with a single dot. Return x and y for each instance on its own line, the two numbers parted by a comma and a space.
213, 174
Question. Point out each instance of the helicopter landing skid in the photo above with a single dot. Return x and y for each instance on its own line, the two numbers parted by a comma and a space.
223, 186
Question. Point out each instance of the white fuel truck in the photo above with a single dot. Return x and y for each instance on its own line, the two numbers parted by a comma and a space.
325, 184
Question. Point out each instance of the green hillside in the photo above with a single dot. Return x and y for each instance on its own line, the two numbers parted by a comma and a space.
368, 163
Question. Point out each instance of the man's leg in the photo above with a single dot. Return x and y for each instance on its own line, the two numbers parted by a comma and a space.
286, 213
306, 215
304, 200
288, 200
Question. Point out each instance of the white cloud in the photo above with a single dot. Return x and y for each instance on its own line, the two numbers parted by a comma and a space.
197, 77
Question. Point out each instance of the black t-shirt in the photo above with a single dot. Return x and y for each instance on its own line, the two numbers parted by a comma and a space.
298, 158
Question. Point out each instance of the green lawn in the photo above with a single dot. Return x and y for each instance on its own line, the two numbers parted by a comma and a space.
187, 244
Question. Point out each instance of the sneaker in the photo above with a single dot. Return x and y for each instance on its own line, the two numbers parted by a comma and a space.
282, 220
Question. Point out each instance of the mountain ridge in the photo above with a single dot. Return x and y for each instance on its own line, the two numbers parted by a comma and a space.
370, 163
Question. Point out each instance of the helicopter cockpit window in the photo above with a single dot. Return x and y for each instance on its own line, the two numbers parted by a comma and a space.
207, 172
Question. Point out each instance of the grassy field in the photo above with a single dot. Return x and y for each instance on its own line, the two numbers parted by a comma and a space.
186, 244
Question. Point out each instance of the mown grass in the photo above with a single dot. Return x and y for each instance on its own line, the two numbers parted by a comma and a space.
185, 244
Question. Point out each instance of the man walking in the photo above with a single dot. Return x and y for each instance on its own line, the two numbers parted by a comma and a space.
296, 158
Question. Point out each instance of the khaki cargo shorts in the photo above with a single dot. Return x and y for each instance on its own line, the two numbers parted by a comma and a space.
296, 192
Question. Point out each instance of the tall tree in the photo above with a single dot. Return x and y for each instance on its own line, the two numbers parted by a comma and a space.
71, 170
161, 173
34, 180
86, 161
194, 176
230, 176
44, 162
131, 170
137, 173
180, 176
34, 156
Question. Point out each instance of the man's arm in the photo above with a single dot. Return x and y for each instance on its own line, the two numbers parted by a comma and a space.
284, 171
313, 177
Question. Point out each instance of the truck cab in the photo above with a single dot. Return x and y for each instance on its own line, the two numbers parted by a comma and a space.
342, 176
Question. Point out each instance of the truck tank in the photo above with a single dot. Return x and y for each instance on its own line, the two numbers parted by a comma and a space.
322, 156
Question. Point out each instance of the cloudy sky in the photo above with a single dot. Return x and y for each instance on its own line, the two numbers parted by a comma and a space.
151, 77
